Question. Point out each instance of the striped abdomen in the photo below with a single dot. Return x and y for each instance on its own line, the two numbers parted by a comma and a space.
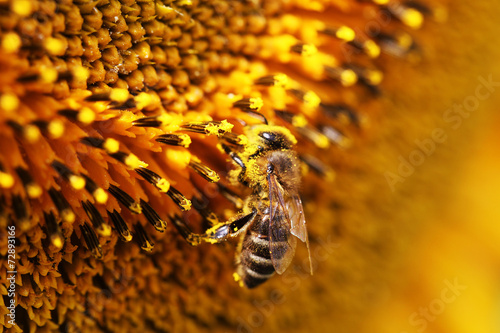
255, 265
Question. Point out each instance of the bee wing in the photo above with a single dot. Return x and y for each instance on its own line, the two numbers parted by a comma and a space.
281, 242
298, 222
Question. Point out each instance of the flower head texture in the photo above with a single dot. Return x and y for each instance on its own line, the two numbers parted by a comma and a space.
119, 123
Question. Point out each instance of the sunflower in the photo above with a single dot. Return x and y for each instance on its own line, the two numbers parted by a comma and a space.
114, 115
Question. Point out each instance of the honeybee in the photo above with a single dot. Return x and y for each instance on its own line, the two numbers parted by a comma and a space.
273, 216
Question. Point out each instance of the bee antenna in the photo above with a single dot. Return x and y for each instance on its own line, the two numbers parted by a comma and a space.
258, 115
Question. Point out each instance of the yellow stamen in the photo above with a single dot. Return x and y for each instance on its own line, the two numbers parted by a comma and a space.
111, 145
163, 185
33, 190
412, 18
77, 182
57, 241
21, 8
11, 42
54, 46
9, 102
119, 95
348, 78
48, 75
134, 162
371, 49
311, 99
299, 121
80, 73
31, 133
68, 215
100, 196
256, 103
345, 33
86, 116
56, 129
6, 180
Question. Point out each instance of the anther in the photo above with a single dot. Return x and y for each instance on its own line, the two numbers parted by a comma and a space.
309, 98
130, 160
218, 128
335, 136
118, 95
53, 129
304, 49
181, 201
368, 47
153, 121
249, 104
312, 134
182, 140
96, 218
62, 205
9, 102
318, 167
230, 195
76, 181
184, 230
341, 112
53, 230
91, 240
343, 33
6, 179
203, 170
398, 45
11, 42
21, 212
369, 77
110, 145
120, 226
125, 199
207, 214
280, 80
29, 132
143, 238
346, 77
154, 179
297, 120
33, 190
153, 217
85, 115
97, 192
411, 17
235, 139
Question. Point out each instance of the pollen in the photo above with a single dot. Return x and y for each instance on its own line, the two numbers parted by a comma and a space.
77, 182
9, 102
11, 42
56, 129
345, 33
111, 145
6, 180
133, 162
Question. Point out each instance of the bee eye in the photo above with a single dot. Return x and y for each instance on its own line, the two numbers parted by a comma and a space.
270, 168
268, 136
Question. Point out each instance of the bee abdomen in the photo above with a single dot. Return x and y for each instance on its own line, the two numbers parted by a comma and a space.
256, 266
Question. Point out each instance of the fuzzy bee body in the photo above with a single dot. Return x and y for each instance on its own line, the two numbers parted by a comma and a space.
272, 218
272, 171
254, 260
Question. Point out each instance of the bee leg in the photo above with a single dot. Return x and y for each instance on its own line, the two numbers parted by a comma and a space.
238, 161
218, 233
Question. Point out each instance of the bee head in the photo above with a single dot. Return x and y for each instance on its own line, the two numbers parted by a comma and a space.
272, 137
